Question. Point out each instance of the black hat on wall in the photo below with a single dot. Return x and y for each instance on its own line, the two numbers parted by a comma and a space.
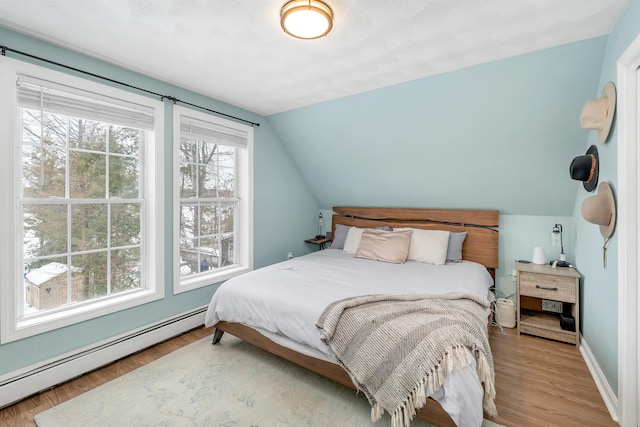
585, 168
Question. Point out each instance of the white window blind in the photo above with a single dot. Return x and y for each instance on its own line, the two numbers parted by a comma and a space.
55, 98
192, 128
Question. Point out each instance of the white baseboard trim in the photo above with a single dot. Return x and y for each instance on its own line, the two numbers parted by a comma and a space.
609, 397
25, 382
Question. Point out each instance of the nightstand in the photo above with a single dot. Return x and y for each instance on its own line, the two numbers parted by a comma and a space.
321, 242
548, 302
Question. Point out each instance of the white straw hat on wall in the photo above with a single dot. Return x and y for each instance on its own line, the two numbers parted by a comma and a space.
597, 114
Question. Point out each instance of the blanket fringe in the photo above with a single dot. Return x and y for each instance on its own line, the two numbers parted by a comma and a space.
484, 372
376, 412
456, 357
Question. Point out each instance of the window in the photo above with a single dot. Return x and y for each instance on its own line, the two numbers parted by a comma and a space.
81, 207
212, 199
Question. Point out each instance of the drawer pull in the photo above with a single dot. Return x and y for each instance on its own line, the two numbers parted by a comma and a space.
546, 289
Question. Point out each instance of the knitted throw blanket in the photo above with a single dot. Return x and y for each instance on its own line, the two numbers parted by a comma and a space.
398, 349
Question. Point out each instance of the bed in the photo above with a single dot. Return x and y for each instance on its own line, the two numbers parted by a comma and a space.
278, 307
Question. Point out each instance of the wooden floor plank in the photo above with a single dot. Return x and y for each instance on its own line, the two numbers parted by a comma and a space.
539, 383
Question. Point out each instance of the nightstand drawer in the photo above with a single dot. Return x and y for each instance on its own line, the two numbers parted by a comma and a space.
547, 287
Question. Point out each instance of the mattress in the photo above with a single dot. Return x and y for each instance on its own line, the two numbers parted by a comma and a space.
283, 302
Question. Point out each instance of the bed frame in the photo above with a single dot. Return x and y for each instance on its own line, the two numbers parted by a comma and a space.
480, 245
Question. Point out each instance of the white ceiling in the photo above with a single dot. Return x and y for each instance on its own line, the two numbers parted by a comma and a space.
235, 50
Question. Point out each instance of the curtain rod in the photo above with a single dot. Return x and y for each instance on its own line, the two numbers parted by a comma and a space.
162, 97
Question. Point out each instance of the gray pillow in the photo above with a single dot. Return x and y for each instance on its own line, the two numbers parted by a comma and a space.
339, 236
454, 250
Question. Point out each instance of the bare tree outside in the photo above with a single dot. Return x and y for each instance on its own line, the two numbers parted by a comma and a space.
81, 205
207, 206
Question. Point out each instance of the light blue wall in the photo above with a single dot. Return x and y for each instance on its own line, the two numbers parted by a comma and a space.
599, 296
283, 218
499, 135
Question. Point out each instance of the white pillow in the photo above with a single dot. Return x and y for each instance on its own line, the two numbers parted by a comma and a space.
352, 241
428, 246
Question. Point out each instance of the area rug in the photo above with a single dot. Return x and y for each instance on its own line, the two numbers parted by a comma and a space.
231, 384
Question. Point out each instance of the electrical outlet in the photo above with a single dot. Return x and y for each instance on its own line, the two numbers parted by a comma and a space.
554, 306
290, 255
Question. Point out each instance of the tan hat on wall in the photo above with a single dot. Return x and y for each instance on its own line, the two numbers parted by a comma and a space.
597, 114
600, 209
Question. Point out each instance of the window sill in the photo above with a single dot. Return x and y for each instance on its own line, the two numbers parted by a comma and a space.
200, 281
37, 324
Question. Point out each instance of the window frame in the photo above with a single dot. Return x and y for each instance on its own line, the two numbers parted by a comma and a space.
244, 192
11, 256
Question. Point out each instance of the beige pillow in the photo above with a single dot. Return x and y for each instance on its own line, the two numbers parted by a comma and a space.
386, 246
428, 246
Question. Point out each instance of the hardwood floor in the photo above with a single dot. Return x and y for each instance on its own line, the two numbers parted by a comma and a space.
544, 383
539, 383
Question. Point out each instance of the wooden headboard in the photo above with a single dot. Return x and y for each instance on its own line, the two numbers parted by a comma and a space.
480, 245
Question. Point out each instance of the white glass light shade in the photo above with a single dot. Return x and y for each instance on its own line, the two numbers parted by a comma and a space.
306, 19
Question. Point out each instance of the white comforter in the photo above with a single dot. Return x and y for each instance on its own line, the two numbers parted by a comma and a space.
283, 301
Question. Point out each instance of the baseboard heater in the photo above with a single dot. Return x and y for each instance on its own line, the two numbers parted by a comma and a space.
33, 379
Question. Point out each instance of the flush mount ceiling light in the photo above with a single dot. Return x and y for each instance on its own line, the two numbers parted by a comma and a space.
306, 19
